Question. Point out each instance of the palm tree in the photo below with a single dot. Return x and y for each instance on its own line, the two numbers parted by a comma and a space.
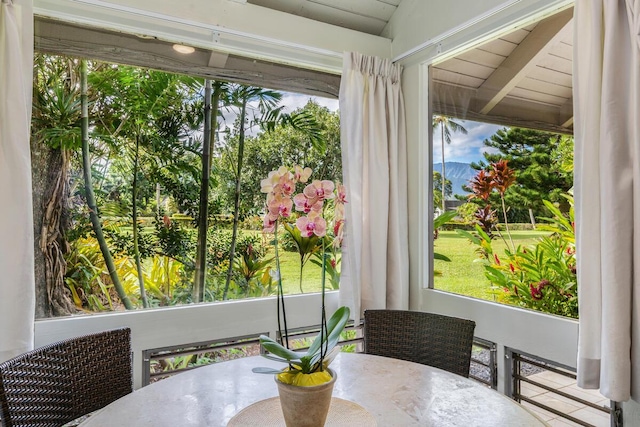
272, 117
447, 125
212, 108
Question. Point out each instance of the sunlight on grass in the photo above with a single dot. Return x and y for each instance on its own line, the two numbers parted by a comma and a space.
290, 272
464, 275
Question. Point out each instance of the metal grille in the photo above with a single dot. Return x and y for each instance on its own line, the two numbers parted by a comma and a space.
351, 340
164, 362
532, 383
484, 367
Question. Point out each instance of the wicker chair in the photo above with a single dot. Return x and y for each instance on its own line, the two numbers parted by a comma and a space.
431, 339
55, 384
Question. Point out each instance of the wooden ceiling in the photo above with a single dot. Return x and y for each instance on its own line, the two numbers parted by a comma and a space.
523, 78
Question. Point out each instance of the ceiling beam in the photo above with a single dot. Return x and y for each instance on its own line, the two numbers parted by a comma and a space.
522, 60
218, 59
566, 113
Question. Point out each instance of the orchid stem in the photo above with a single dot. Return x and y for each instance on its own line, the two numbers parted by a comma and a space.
283, 338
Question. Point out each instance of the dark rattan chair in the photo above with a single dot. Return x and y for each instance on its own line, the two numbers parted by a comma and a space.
431, 339
53, 385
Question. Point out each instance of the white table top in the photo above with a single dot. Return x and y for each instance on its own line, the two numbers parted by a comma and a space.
395, 392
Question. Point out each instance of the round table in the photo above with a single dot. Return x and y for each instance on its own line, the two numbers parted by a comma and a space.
394, 392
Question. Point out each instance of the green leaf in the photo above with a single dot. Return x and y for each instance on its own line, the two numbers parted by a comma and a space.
335, 326
276, 348
441, 257
443, 218
262, 370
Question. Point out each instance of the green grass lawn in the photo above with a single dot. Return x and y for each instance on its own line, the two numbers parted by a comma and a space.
290, 272
465, 273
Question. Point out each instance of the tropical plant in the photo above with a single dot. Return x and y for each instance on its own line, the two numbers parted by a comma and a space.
500, 177
438, 196
541, 276
307, 368
544, 162
447, 125
272, 116
91, 201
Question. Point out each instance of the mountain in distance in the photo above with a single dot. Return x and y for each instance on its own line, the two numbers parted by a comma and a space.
458, 173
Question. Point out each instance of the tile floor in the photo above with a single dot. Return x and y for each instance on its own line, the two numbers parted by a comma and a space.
575, 409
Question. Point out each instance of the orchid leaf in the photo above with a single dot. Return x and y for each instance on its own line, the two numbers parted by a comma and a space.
335, 325
276, 348
262, 370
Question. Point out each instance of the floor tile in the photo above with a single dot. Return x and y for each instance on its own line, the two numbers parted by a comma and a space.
543, 414
557, 402
530, 390
552, 376
592, 416
562, 422
592, 396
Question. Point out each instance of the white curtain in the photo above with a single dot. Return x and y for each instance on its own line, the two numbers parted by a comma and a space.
607, 189
375, 272
17, 289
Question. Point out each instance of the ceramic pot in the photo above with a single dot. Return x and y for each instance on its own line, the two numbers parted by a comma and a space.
306, 406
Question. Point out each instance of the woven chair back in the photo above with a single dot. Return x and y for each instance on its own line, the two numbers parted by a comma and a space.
55, 384
431, 339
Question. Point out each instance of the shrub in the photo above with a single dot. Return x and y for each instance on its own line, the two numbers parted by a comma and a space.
541, 276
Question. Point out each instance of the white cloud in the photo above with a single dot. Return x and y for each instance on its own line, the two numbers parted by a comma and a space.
296, 100
464, 148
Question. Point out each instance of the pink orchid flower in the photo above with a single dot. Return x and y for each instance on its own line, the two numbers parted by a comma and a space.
306, 205
319, 190
269, 223
267, 184
302, 175
341, 194
280, 206
286, 184
312, 224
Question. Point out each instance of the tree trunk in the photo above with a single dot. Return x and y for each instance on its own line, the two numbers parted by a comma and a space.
199, 282
50, 194
91, 200
134, 217
236, 209
532, 218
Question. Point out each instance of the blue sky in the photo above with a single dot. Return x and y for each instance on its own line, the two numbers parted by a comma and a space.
463, 148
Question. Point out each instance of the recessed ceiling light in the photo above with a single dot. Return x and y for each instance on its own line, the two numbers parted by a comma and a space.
183, 49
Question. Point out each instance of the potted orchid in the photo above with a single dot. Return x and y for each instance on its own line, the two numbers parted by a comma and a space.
306, 383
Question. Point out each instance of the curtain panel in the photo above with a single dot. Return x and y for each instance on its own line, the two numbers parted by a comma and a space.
17, 287
606, 87
375, 266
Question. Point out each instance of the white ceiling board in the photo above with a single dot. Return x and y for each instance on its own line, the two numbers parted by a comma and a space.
516, 36
482, 57
545, 87
562, 50
499, 47
531, 85
467, 68
456, 79
556, 63
526, 94
533, 49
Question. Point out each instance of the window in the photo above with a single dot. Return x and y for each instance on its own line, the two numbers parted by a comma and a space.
502, 170
145, 149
